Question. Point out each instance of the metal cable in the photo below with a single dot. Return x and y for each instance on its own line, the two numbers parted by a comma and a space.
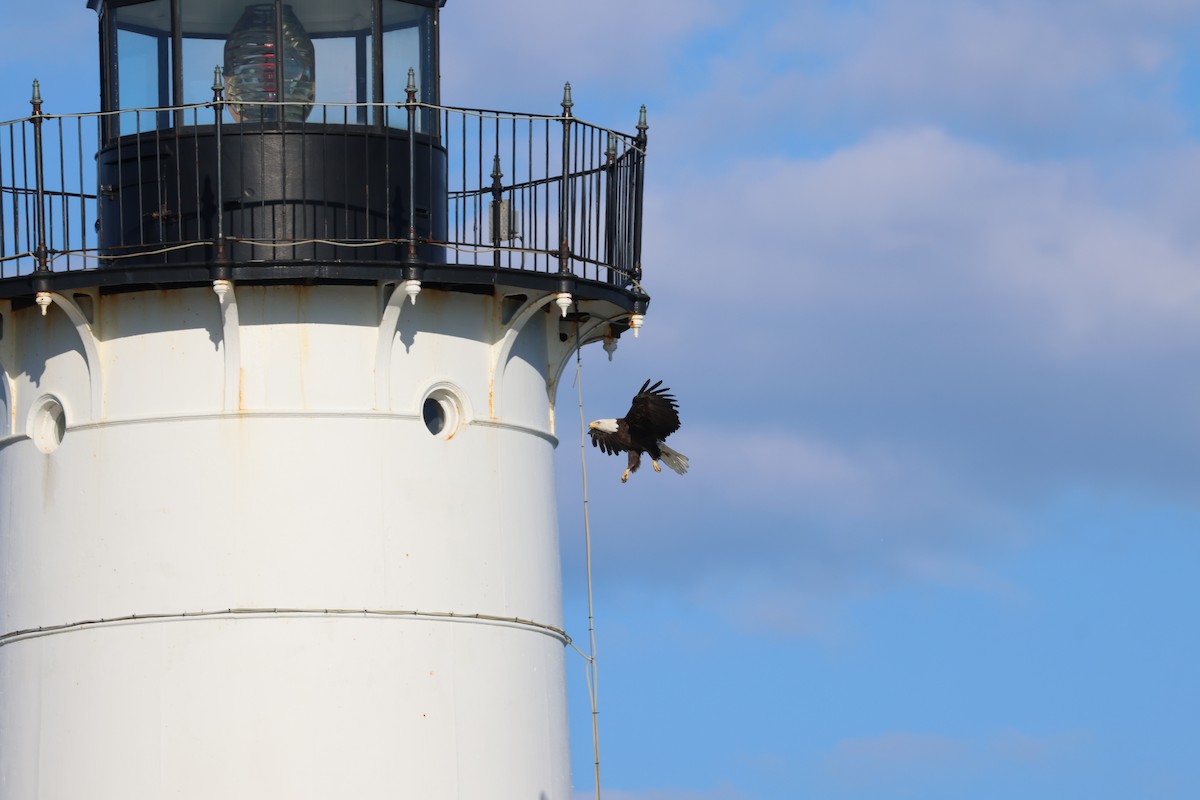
92, 252
587, 539
47, 630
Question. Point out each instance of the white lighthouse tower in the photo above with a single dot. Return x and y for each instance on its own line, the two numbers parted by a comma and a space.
277, 380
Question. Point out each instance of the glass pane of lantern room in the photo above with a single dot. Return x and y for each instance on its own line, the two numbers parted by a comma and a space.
201, 56
205, 24
143, 65
408, 43
343, 55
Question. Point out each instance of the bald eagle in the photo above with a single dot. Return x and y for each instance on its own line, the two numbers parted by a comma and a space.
652, 417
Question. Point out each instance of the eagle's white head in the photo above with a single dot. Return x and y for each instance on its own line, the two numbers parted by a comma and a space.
604, 425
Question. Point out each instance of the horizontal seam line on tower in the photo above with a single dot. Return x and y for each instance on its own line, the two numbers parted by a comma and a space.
228, 613
282, 414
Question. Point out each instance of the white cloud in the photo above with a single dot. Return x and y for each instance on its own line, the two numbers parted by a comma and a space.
891, 358
781, 468
906, 216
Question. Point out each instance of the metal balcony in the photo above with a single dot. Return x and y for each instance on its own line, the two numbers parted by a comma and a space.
459, 197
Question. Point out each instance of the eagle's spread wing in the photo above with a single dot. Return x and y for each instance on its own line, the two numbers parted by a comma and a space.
609, 443
653, 414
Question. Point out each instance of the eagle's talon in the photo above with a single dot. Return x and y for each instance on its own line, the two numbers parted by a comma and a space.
657, 468
625, 477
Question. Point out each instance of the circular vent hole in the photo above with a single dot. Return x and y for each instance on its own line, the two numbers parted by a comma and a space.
47, 424
441, 412
435, 416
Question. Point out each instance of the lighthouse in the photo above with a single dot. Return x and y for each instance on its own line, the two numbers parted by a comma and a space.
280, 337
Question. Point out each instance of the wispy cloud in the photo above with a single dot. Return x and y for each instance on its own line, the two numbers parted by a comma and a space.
1028, 76
664, 794
524, 50
889, 752
64, 62
908, 760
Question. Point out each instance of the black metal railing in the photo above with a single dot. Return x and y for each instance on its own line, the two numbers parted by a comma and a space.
421, 184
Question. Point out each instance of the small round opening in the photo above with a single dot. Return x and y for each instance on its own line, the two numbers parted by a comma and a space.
435, 415
47, 424
442, 412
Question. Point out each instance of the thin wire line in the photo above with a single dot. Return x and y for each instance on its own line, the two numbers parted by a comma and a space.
587, 539
481, 113
93, 252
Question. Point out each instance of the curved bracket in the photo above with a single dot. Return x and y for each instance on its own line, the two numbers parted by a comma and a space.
91, 352
386, 339
231, 341
567, 349
502, 349
6, 400
6, 381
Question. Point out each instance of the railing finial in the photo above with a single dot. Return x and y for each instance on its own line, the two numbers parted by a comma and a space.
218, 86
567, 102
36, 100
642, 126
411, 89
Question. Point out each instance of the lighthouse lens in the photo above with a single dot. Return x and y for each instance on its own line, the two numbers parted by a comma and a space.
258, 69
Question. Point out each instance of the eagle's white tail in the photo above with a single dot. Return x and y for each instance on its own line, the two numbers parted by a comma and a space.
673, 458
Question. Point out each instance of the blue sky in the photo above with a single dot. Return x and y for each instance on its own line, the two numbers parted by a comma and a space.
926, 280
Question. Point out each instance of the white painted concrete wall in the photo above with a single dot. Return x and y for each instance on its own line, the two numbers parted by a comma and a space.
303, 493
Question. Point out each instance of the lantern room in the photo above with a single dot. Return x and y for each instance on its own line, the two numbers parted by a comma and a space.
157, 54
261, 127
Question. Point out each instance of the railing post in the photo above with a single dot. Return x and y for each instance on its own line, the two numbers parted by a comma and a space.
496, 209
177, 58
39, 251
639, 187
221, 269
612, 248
410, 103
564, 206
641, 300
41, 275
